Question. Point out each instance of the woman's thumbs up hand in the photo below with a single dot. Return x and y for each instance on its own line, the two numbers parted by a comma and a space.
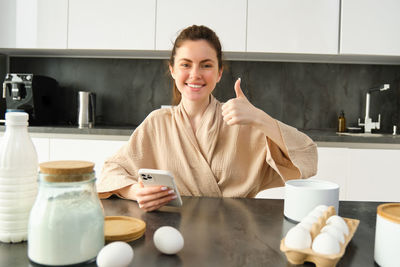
239, 110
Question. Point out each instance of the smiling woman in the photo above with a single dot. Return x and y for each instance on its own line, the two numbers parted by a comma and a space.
201, 45
212, 149
195, 72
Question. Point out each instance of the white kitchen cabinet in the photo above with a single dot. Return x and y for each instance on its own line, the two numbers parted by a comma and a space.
8, 23
333, 166
33, 23
293, 26
226, 17
42, 146
374, 175
105, 24
370, 27
96, 151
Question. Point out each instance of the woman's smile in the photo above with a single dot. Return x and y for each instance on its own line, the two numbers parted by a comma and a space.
195, 87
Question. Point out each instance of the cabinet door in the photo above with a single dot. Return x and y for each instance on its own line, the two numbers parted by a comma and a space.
105, 24
374, 175
33, 23
96, 151
226, 17
333, 166
7, 23
293, 26
52, 23
42, 148
370, 27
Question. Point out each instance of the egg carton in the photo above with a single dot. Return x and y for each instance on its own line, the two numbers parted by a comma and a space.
299, 256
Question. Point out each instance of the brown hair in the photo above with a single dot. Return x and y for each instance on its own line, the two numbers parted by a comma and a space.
194, 33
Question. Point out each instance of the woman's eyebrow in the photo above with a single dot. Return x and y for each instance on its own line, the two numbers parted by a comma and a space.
204, 60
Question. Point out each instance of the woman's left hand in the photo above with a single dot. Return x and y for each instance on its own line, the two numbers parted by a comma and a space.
239, 110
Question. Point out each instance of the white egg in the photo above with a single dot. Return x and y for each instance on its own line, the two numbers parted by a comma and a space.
298, 238
168, 240
325, 243
322, 208
338, 222
334, 231
315, 213
306, 225
310, 219
115, 254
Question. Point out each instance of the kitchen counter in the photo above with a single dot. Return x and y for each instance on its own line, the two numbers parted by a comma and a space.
223, 232
323, 138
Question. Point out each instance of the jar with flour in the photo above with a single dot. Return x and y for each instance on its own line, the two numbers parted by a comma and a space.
18, 178
66, 223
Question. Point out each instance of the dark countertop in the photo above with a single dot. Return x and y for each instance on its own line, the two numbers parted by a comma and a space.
98, 130
224, 232
328, 135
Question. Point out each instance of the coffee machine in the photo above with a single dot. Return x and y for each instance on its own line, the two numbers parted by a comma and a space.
33, 94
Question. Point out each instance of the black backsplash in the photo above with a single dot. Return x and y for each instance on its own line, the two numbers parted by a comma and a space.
304, 95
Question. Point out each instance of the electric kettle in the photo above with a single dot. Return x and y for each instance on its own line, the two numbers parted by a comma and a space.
86, 109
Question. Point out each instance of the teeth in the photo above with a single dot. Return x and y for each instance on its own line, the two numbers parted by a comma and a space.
194, 85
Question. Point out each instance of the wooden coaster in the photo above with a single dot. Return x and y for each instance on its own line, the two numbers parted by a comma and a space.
123, 228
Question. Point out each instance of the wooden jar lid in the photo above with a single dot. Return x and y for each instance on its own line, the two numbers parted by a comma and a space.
390, 211
66, 170
123, 228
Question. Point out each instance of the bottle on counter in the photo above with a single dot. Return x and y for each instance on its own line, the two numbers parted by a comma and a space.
341, 122
66, 224
18, 178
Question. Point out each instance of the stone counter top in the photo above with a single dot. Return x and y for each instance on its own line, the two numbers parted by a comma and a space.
330, 135
326, 137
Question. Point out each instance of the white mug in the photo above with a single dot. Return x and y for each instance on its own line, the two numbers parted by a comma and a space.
302, 196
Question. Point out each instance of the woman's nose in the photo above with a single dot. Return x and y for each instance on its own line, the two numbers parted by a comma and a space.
195, 72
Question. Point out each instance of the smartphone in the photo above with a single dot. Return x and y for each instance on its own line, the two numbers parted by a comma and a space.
152, 177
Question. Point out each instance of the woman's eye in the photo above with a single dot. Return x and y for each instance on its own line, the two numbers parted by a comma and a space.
207, 66
185, 65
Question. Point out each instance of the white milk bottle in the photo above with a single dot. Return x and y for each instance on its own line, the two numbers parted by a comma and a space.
18, 178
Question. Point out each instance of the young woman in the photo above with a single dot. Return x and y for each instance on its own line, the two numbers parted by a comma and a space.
212, 149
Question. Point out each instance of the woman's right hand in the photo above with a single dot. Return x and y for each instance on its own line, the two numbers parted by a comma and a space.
152, 197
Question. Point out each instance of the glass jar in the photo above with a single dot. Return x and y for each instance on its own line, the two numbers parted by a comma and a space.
66, 223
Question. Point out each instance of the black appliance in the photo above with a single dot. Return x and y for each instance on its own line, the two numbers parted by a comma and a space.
33, 94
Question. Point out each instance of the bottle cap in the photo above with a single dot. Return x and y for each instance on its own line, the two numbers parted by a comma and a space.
17, 118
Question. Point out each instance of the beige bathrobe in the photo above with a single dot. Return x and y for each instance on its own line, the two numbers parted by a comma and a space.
217, 161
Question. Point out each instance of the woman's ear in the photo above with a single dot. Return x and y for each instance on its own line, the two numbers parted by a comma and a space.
220, 74
171, 70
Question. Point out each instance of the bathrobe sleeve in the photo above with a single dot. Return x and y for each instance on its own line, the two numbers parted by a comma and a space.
120, 170
302, 151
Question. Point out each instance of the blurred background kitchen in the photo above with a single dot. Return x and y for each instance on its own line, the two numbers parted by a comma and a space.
302, 62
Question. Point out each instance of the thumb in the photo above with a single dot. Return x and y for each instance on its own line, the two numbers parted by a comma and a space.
238, 90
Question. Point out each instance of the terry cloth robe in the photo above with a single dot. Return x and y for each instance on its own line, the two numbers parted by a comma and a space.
217, 161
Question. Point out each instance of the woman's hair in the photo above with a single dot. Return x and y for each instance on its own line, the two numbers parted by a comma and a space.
194, 33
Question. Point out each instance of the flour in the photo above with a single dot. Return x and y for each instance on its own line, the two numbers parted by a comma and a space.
65, 228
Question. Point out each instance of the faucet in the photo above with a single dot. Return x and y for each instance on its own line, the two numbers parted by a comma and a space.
368, 123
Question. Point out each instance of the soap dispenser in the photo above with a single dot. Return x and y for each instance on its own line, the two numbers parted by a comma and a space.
341, 122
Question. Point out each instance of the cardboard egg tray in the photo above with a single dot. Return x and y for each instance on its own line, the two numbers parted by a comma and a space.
299, 256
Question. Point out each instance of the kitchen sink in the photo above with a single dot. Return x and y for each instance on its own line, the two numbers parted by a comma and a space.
363, 134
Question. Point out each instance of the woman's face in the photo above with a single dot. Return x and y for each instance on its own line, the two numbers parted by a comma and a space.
195, 70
